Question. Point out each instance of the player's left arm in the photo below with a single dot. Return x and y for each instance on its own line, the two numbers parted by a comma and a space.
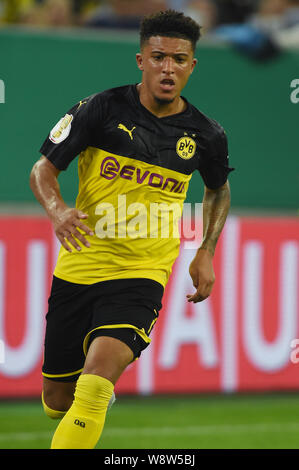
216, 204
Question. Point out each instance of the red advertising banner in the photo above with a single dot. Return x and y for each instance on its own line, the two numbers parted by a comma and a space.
26, 253
242, 338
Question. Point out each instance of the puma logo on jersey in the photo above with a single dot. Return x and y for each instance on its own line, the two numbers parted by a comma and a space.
123, 128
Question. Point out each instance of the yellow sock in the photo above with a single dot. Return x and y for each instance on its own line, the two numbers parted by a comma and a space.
82, 425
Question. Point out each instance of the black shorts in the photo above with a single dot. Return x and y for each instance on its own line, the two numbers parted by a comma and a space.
126, 309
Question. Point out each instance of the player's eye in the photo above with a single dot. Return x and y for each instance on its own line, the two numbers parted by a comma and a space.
158, 57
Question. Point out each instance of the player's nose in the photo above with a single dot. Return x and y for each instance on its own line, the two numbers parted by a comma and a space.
168, 65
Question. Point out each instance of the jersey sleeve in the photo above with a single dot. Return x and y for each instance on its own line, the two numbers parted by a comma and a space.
214, 166
72, 134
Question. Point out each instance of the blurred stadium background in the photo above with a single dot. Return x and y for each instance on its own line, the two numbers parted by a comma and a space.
219, 374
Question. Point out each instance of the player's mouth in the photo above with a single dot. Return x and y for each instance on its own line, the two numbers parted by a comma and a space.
167, 84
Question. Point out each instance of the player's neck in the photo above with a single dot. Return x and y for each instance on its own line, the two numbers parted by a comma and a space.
157, 108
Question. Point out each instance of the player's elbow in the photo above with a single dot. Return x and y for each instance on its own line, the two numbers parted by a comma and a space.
224, 188
43, 169
32, 177
33, 173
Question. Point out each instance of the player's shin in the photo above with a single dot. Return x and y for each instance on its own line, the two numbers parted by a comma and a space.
82, 425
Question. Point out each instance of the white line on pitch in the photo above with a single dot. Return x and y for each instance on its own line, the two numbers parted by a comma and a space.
175, 430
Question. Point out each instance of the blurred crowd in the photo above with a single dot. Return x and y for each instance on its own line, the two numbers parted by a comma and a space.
259, 28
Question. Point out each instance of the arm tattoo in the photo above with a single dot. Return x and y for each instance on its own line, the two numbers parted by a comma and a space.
216, 204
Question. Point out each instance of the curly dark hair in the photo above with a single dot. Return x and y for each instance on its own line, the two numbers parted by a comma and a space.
169, 23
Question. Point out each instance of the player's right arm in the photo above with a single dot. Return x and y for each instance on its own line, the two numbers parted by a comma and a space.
66, 220
69, 137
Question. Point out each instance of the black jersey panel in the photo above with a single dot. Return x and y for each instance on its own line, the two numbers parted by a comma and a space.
115, 121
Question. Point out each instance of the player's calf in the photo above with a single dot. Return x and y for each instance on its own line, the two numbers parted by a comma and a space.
53, 414
57, 397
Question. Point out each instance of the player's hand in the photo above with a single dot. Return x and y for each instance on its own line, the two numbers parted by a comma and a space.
202, 274
66, 222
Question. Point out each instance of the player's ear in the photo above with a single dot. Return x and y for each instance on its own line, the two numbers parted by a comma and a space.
194, 62
139, 61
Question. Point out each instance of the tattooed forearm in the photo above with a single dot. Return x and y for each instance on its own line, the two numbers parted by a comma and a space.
216, 205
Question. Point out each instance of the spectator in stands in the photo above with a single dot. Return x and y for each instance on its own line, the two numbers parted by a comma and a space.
51, 13
275, 15
235, 11
280, 19
204, 12
239, 31
212, 13
12, 11
45, 12
83, 9
124, 14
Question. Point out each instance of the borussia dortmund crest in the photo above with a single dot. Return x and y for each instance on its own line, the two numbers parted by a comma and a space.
185, 147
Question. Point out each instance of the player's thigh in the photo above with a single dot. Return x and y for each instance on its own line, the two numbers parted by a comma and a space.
123, 318
107, 357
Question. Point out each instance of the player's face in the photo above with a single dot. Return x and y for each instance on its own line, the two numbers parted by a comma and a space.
167, 64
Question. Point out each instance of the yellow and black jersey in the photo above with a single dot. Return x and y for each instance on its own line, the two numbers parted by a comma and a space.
134, 171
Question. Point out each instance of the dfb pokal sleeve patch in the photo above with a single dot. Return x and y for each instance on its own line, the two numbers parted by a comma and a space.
61, 130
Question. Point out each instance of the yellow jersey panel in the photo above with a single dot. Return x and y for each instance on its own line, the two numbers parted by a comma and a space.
134, 209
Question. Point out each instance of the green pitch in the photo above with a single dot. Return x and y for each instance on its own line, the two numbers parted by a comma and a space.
268, 421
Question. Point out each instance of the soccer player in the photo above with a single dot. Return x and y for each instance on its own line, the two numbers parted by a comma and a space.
138, 145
